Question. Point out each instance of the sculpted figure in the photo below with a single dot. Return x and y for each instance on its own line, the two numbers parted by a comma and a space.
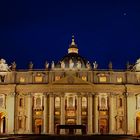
46, 65
31, 65
78, 64
62, 64
95, 65
52, 65
14, 65
88, 65
4, 66
137, 65
71, 64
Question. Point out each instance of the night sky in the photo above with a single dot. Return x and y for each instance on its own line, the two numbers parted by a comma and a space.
41, 30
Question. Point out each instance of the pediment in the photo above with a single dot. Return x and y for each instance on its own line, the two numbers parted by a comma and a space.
71, 80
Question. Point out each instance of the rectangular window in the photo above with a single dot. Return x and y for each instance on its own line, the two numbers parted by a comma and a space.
102, 79
57, 78
38, 79
22, 80
119, 79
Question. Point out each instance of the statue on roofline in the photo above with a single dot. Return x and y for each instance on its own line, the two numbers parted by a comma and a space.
31, 65
4, 66
137, 65
88, 65
95, 65
46, 65
14, 65
52, 65
62, 64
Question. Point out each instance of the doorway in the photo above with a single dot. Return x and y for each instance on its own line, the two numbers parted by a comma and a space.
2, 123
138, 125
38, 126
103, 126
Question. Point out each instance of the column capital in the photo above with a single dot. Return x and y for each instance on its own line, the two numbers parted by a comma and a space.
79, 94
126, 94
45, 94
62, 94
51, 94
90, 94
12, 94
29, 95
96, 94
112, 94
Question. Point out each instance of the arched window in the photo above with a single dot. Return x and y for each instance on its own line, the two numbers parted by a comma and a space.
57, 102
38, 101
70, 101
84, 102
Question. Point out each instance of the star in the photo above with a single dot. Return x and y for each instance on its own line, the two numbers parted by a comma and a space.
124, 14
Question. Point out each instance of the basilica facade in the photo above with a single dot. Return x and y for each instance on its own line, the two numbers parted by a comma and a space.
70, 92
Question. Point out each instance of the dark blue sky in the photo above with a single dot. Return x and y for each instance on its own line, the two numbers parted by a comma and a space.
41, 30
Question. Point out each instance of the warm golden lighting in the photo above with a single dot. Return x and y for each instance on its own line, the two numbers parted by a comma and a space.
38, 122
84, 78
22, 79
103, 113
38, 113
84, 113
119, 79
57, 78
70, 113
72, 50
138, 114
70, 121
102, 79
57, 113
38, 79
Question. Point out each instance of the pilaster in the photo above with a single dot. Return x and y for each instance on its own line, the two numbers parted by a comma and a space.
96, 115
78, 116
45, 114
51, 113
30, 113
62, 117
90, 116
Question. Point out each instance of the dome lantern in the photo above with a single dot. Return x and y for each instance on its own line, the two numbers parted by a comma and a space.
73, 47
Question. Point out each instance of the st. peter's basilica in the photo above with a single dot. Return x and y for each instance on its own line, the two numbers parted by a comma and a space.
71, 96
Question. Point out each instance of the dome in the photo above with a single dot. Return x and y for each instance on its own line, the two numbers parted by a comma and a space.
73, 59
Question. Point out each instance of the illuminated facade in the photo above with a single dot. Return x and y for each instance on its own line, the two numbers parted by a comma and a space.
70, 92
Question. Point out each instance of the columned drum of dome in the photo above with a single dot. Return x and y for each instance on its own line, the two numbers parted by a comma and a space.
71, 96
73, 59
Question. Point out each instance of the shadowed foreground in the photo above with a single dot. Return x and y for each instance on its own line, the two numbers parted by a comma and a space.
68, 137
